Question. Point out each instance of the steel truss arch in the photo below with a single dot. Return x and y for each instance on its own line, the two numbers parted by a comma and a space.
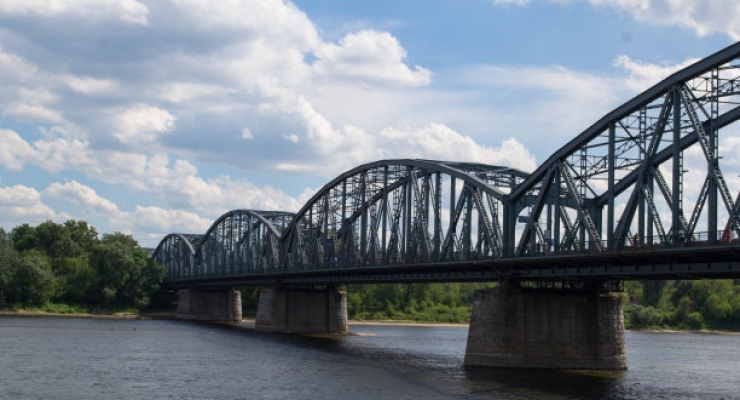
401, 212
176, 252
239, 242
624, 177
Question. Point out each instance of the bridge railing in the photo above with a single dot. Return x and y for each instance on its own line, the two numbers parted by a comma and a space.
636, 243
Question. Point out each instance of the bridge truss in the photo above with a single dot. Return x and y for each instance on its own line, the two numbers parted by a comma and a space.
640, 189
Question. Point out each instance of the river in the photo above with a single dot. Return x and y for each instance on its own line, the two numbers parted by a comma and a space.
71, 358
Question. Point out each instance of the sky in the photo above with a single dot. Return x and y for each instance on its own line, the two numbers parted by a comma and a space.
152, 117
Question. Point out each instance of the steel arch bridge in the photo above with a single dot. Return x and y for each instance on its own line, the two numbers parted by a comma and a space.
639, 194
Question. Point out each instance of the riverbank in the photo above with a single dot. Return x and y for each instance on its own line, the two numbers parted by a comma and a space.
704, 331
121, 315
250, 321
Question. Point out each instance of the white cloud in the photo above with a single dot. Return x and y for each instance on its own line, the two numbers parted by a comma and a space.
85, 197
188, 92
18, 195
15, 152
163, 221
32, 112
644, 75
90, 86
369, 56
280, 21
704, 17
542, 106
130, 11
142, 124
15, 68
22, 204
292, 138
154, 220
438, 142
38, 95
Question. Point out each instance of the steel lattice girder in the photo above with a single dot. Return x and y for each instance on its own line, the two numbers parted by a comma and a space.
624, 175
400, 211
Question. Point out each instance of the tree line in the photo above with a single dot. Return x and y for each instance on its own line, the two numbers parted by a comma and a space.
672, 304
692, 305
70, 264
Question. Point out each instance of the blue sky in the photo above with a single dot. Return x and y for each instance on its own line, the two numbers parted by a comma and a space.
151, 117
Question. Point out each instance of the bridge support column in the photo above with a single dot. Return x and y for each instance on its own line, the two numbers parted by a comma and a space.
512, 327
301, 311
209, 305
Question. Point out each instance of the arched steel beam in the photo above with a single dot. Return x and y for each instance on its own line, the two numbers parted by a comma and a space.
625, 149
186, 238
664, 155
350, 196
495, 176
719, 58
263, 216
241, 242
169, 253
457, 169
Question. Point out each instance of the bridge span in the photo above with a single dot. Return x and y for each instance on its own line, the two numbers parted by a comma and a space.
649, 191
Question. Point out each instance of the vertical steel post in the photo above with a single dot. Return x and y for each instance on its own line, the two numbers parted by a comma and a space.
677, 164
384, 216
611, 242
713, 137
437, 215
363, 219
558, 211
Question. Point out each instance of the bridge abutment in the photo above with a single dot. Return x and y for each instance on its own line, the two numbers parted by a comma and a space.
514, 327
288, 310
209, 305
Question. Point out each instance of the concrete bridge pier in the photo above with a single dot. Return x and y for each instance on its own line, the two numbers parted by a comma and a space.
300, 310
515, 327
209, 305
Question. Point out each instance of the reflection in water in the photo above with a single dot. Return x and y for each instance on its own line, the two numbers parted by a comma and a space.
80, 359
544, 384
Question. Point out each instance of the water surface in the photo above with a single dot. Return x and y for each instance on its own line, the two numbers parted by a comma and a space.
67, 358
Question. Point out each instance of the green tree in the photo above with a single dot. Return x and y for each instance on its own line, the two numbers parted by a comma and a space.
32, 282
82, 235
127, 276
652, 291
7, 261
24, 238
77, 280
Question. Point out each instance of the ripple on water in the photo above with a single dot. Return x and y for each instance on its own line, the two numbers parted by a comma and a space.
89, 359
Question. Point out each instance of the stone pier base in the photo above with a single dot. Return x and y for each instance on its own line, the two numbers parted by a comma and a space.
302, 311
209, 305
513, 327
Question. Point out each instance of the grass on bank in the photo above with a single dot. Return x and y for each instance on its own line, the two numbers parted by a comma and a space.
61, 308
438, 313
